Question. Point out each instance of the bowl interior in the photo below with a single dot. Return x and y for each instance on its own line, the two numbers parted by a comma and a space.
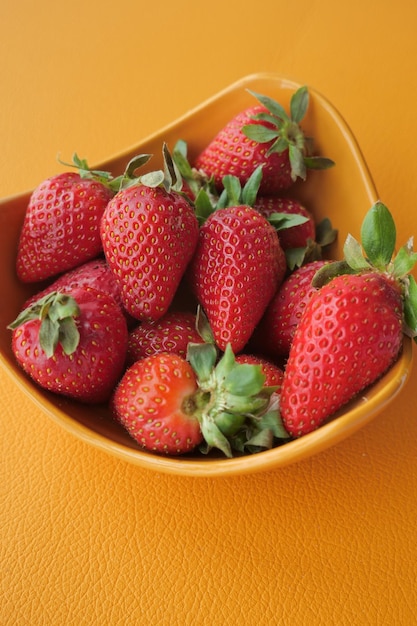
343, 194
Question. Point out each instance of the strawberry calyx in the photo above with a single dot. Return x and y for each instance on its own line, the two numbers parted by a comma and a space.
232, 404
376, 253
56, 312
285, 133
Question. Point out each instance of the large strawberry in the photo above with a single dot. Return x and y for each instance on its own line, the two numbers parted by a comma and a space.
61, 228
74, 345
236, 269
149, 232
352, 328
263, 134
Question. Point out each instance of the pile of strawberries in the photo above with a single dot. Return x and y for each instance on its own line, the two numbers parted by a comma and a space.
194, 300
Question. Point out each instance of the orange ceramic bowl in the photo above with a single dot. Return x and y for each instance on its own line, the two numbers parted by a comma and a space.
343, 193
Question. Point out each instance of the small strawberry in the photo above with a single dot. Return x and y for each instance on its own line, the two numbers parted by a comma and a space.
263, 134
275, 331
74, 345
171, 333
61, 228
351, 331
154, 402
235, 271
149, 233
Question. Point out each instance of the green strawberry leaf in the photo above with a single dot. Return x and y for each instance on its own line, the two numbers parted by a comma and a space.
299, 104
203, 206
213, 437
329, 271
318, 163
274, 107
251, 188
280, 221
202, 358
410, 308
232, 191
260, 133
354, 254
378, 235
69, 335
48, 336
298, 168
244, 380
295, 257
404, 260
325, 233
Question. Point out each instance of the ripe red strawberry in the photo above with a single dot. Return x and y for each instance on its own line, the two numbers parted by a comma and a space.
236, 269
149, 236
154, 402
72, 345
273, 373
61, 228
351, 330
263, 134
171, 333
275, 331
349, 335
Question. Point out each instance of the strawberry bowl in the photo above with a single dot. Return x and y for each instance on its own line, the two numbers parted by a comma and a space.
343, 194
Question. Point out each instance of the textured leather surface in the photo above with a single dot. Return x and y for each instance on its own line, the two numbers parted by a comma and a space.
86, 539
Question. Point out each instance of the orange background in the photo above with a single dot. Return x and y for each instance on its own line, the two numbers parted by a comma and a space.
88, 539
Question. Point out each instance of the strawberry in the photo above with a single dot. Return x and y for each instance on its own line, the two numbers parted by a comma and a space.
61, 228
171, 333
149, 233
74, 345
263, 134
154, 402
275, 331
351, 330
236, 269
170, 405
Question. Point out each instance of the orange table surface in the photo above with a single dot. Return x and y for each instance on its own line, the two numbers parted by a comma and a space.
86, 538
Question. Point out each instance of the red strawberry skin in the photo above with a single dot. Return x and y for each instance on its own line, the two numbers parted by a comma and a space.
153, 401
296, 236
231, 152
237, 267
61, 228
274, 333
149, 236
349, 335
171, 333
91, 372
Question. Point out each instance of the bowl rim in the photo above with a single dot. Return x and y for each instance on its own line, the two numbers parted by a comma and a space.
291, 452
